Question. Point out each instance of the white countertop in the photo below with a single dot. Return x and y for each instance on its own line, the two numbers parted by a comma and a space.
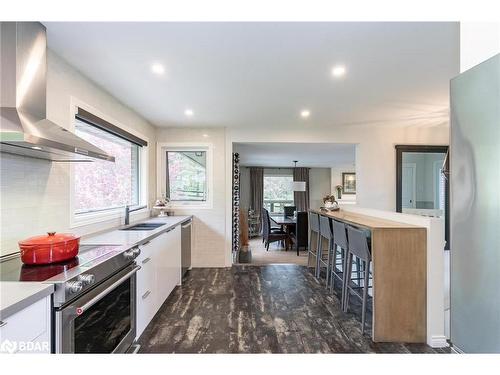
17, 295
133, 237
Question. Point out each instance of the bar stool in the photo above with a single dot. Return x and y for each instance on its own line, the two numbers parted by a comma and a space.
357, 247
339, 243
325, 252
313, 229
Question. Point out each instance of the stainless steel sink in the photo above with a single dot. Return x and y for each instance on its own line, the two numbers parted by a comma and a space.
144, 226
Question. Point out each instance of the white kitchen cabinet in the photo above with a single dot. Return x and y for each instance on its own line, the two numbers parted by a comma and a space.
168, 264
27, 331
160, 272
145, 299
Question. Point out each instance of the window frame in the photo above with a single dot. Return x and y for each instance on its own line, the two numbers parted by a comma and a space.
99, 216
162, 148
288, 174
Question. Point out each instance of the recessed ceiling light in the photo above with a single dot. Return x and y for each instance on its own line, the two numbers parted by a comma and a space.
305, 113
338, 70
205, 135
189, 112
158, 69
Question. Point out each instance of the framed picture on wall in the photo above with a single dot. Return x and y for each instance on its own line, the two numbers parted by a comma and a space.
349, 182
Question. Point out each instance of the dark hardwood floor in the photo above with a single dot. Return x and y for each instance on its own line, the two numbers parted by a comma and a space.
266, 309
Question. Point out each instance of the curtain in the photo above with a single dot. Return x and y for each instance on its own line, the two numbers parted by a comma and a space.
257, 192
301, 198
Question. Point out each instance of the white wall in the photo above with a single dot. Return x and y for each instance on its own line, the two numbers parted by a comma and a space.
209, 225
36, 193
337, 180
478, 42
319, 186
375, 153
375, 157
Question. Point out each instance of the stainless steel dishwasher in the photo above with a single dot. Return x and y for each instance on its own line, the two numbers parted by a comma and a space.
186, 246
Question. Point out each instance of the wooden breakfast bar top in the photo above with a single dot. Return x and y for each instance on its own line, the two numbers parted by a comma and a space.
360, 220
399, 256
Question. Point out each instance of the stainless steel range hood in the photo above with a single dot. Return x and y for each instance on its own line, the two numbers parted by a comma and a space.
24, 128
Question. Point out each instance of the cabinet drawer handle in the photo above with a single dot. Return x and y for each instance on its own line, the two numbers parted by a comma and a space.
146, 260
145, 295
2, 323
145, 243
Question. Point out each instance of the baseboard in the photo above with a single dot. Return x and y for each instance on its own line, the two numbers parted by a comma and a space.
439, 342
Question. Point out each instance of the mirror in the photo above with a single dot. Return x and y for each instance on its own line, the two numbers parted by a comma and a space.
422, 188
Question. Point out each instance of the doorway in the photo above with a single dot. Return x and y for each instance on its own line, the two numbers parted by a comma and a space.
286, 180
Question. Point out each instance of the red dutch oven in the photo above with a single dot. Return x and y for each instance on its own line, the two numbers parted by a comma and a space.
48, 249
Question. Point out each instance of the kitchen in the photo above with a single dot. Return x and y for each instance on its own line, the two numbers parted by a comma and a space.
136, 197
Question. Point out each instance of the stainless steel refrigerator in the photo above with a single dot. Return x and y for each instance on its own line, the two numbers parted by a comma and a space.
475, 209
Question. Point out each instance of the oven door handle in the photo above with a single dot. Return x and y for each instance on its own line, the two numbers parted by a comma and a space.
108, 290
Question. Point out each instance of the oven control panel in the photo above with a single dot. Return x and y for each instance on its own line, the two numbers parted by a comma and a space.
87, 279
132, 253
73, 287
92, 272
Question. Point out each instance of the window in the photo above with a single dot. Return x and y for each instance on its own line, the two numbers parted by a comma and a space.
103, 185
186, 176
278, 193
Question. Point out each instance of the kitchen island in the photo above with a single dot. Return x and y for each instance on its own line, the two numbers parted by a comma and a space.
399, 255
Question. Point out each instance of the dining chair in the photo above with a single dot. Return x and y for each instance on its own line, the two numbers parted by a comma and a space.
300, 233
269, 235
273, 228
289, 210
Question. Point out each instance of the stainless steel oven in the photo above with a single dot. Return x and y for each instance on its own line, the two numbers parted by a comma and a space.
102, 320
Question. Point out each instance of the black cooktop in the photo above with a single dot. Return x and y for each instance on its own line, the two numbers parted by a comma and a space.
13, 269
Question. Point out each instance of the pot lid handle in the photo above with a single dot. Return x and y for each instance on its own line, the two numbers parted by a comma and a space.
51, 233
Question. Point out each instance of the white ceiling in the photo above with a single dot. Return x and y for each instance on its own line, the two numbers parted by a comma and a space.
317, 155
264, 74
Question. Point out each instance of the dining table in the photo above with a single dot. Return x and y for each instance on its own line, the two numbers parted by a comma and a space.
287, 223
283, 220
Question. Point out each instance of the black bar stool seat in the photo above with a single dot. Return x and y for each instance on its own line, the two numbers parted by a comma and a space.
325, 252
313, 240
337, 265
358, 247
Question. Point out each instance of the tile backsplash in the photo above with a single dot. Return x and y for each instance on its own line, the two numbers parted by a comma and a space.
34, 199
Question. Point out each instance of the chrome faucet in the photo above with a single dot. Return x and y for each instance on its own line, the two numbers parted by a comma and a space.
128, 211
